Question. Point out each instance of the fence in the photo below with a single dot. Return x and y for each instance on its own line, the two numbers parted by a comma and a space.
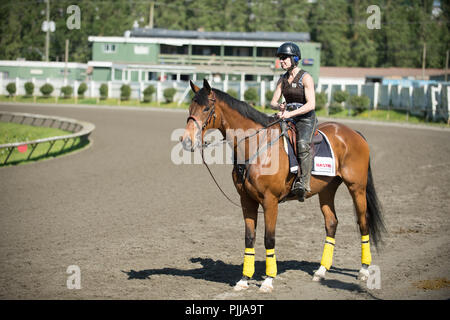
431, 101
79, 129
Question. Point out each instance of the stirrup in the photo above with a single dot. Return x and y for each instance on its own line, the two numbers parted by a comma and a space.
299, 190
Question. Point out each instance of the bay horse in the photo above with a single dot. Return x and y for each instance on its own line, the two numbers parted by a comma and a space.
214, 109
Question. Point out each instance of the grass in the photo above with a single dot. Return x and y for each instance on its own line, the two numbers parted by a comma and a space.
13, 132
95, 101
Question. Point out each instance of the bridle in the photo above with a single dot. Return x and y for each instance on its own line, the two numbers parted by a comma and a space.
211, 115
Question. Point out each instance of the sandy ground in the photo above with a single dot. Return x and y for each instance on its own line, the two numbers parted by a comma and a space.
140, 227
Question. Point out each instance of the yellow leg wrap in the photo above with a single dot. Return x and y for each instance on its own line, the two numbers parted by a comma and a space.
366, 257
271, 263
249, 262
327, 256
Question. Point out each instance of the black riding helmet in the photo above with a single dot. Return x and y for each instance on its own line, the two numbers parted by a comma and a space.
290, 49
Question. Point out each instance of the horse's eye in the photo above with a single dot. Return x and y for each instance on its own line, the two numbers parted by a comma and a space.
206, 109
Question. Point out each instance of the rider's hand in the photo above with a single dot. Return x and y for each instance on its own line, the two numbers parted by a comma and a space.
283, 114
282, 107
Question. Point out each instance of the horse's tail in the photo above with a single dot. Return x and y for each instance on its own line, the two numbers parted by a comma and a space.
374, 211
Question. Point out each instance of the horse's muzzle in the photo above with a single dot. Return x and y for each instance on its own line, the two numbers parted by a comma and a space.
188, 145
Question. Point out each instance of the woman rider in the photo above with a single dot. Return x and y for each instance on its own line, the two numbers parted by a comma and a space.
297, 88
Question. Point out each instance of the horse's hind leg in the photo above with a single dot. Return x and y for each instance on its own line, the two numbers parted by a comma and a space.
326, 199
358, 193
250, 211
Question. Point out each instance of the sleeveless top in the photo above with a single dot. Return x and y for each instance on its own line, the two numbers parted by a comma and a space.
293, 92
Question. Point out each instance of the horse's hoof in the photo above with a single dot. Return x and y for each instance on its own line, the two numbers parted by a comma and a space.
266, 286
241, 285
363, 274
319, 274
317, 278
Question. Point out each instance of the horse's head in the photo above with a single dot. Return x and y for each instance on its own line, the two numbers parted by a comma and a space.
202, 116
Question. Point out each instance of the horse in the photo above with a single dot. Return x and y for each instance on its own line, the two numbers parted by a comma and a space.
213, 109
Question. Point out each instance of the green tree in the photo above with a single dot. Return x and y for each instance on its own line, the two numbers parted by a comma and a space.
363, 45
329, 26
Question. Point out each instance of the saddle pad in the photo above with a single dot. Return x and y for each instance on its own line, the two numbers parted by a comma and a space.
323, 157
324, 163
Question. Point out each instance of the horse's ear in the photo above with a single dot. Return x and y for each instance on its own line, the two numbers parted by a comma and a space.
206, 86
193, 86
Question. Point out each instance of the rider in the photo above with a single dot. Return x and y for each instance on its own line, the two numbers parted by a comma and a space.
297, 87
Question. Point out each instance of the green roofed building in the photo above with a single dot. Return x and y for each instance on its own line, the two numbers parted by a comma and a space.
11, 69
145, 54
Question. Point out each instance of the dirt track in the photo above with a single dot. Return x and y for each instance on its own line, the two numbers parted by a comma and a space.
140, 227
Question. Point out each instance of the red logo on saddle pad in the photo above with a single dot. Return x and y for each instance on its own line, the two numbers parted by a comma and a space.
323, 166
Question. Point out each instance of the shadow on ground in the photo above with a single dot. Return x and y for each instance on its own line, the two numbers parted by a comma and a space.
221, 272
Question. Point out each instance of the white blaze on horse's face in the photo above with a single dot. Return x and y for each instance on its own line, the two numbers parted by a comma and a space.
193, 133
192, 137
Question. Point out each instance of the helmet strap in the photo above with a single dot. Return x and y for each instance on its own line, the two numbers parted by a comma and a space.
293, 64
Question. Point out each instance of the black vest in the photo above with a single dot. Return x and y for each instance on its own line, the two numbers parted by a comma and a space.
294, 92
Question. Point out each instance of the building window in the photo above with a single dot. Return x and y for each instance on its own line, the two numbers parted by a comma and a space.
267, 52
167, 49
239, 51
109, 48
206, 50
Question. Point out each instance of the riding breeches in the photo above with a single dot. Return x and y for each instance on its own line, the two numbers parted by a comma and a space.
306, 125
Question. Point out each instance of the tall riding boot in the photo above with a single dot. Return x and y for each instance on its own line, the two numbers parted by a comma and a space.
301, 185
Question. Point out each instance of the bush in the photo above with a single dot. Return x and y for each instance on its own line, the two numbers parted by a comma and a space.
82, 88
67, 91
169, 93
103, 91
29, 88
233, 93
251, 96
321, 100
46, 90
359, 104
335, 108
148, 92
340, 96
11, 88
125, 92
269, 96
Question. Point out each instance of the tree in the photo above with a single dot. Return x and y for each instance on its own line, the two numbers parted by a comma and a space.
329, 26
363, 51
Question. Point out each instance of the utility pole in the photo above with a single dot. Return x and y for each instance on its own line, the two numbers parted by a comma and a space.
150, 16
47, 34
66, 60
424, 57
446, 66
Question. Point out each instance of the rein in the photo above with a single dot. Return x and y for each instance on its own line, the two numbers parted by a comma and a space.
212, 114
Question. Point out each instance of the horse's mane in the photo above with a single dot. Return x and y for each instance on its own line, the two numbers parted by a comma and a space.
242, 107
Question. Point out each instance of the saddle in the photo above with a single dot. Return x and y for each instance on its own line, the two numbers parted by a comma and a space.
291, 131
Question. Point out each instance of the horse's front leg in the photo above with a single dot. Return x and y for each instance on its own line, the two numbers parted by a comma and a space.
250, 211
270, 219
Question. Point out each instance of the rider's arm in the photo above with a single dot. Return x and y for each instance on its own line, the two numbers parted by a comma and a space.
308, 84
276, 96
